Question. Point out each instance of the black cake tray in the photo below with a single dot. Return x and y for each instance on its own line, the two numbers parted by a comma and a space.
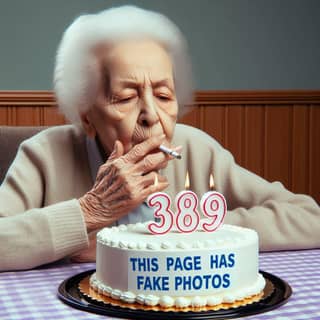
69, 293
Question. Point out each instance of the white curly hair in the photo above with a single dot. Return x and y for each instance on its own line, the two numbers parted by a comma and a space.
76, 74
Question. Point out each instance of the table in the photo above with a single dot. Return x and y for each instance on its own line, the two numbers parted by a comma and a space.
33, 294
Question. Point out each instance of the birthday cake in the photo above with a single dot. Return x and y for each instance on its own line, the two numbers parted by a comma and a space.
177, 271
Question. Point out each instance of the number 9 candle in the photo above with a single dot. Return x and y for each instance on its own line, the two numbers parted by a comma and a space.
214, 207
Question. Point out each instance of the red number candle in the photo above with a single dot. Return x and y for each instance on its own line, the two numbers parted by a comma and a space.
162, 203
214, 208
188, 217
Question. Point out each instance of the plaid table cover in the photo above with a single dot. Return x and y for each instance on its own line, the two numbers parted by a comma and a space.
33, 294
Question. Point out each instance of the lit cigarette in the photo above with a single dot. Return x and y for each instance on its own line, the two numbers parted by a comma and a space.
170, 152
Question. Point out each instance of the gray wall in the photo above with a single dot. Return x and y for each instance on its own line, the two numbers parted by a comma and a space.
234, 44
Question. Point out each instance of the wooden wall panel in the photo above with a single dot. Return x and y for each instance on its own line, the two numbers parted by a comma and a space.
277, 161
234, 128
300, 148
254, 137
314, 151
4, 115
51, 117
214, 122
191, 117
26, 116
275, 134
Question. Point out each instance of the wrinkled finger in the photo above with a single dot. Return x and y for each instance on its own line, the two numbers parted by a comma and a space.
152, 162
104, 172
142, 149
160, 186
117, 152
150, 178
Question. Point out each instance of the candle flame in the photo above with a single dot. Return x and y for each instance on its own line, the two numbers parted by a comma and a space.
156, 181
211, 183
187, 182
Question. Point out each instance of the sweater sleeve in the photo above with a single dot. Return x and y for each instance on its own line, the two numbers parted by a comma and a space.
283, 220
32, 234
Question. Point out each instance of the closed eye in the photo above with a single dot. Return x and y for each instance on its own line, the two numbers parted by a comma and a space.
124, 100
164, 98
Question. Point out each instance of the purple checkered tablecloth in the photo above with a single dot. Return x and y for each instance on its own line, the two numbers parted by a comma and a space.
33, 294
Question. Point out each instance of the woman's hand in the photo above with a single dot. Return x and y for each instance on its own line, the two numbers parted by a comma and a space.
123, 182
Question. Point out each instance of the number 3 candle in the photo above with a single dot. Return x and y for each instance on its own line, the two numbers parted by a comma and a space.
162, 202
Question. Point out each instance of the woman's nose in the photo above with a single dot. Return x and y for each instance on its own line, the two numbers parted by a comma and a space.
148, 113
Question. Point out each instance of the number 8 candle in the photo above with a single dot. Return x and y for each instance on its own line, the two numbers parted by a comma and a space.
214, 207
187, 216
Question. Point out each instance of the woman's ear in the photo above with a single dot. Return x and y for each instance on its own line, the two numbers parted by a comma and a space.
88, 126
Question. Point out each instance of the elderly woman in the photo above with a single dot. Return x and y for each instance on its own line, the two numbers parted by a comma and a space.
121, 76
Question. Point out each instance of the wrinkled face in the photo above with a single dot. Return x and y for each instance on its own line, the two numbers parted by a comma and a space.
137, 98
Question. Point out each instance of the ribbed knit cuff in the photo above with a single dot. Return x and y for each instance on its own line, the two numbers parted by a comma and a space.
67, 226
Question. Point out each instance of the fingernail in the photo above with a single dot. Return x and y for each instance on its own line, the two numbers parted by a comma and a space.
162, 136
115, 148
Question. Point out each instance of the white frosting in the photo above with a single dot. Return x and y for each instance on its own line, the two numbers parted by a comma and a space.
177, 269
166, 301
128, 297
137, 236
181, 302
151, 300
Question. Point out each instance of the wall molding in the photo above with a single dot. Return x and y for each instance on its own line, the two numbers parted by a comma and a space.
34, 98
208, 97
257, 97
